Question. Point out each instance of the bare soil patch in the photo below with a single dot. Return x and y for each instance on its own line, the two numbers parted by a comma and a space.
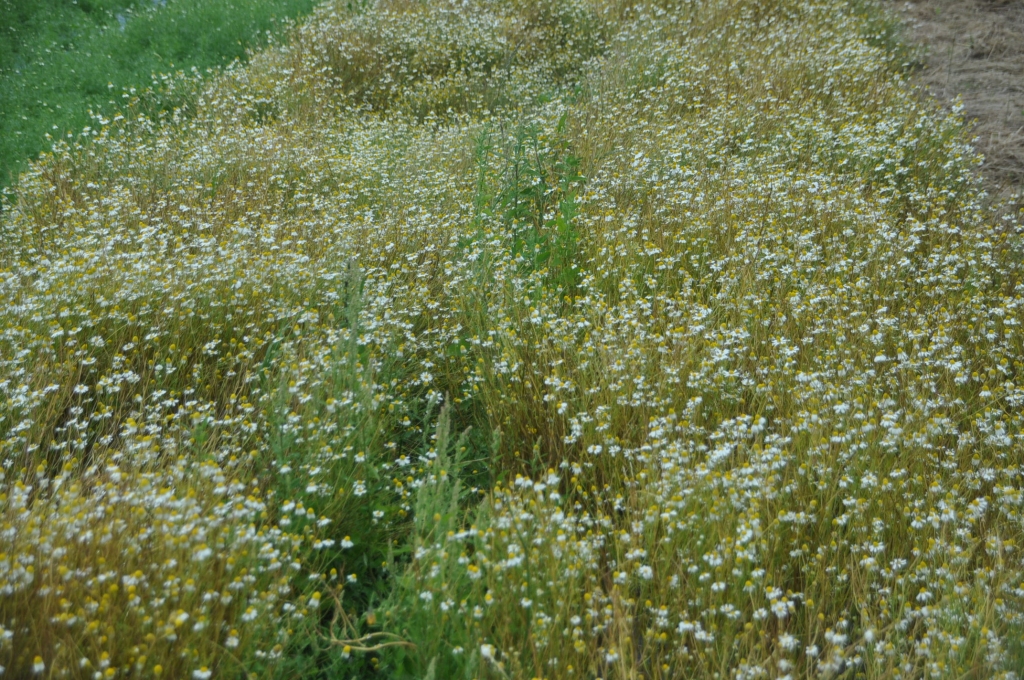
974, 49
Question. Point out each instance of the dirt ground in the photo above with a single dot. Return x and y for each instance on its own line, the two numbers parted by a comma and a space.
975, 49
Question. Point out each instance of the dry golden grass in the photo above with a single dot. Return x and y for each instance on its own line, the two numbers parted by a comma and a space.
974, 51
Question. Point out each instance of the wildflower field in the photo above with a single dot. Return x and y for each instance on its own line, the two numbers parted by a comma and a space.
518, 339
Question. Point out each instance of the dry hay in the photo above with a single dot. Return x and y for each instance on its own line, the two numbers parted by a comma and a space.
974, 49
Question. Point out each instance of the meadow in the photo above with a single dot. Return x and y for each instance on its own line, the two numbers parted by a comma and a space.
518, 339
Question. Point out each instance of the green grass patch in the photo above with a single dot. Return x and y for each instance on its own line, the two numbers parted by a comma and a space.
61, 58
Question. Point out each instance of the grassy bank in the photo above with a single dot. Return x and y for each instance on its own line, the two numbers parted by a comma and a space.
59, 59
470, 340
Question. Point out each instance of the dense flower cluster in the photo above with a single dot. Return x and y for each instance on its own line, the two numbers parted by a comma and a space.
727, 346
